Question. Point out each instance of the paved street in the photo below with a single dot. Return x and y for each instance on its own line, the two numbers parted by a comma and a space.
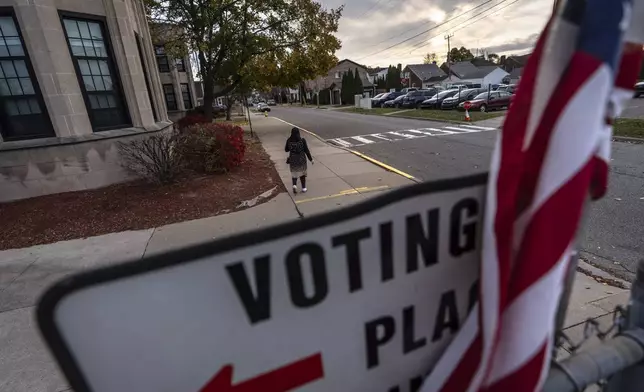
613, 234
634, 108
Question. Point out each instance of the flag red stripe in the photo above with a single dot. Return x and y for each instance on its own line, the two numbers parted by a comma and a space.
464, 372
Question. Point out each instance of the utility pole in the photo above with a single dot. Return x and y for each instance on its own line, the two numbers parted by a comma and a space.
449, 66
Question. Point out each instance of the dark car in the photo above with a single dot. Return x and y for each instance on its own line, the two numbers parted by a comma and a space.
465, 95
395, 103
415, 98
379, 100
639, 89
483, 103
435, 101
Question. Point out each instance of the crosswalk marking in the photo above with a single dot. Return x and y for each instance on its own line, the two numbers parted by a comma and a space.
407, 134
341, 142
363, 140
461, 129
478, 127
380, 136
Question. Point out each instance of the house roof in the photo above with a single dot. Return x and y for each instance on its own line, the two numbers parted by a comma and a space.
425, 72
516, 73
520, 59
481, 62
467, 70
365, 81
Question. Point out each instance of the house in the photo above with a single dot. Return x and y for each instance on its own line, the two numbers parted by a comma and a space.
513, 62
515, 75
333, 80
423, 75
379, 74
176, 73
84, 78
466, 72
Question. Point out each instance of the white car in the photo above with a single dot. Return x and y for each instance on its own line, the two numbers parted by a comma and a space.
262, 107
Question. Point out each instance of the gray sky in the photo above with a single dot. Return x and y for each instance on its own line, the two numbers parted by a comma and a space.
512, 27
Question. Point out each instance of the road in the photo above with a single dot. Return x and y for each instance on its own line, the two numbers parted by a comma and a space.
634, 108
613, 235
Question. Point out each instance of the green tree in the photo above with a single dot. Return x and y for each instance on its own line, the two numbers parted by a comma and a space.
493, 57
430, 58
227, 35
460, 54
381, 83
344, 92
358, 88
351, 80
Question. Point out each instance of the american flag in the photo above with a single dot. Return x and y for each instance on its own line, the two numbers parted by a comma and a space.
552, 153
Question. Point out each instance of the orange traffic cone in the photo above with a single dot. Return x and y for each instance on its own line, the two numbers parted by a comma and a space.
467, 116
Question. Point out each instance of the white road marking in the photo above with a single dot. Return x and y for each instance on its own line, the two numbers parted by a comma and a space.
341, 142
362, 139
478, 127
461, 129
379, 136
406, 136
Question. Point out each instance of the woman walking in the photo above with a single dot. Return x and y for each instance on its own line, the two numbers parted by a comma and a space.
298, 152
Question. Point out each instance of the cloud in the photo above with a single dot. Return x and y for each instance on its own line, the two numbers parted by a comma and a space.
369, 27
516, 45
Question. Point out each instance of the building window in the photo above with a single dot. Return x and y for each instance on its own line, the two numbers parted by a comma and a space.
170, 99
22, 111
185, 94
181, 66
146, 76
162, 59
96, 73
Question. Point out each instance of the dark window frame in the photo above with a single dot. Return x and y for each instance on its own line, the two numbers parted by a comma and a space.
185, 97
146, 76
174, 97
48, 129
122, 102
183, 64
163, 63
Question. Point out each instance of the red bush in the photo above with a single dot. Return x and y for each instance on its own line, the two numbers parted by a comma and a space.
192, 119
213, 147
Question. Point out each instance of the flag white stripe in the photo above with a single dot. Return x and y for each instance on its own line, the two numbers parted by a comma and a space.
527, 322
455, 351
577, 127
560, 44
341, 142
362, 139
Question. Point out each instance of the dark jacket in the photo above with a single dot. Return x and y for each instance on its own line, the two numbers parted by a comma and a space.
298, 152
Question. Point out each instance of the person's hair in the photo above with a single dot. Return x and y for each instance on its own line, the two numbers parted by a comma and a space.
295, 135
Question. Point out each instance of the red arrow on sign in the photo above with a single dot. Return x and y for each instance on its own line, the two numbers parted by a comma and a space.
285, 378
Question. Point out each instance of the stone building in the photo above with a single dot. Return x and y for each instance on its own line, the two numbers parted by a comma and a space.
176, 73
76, 77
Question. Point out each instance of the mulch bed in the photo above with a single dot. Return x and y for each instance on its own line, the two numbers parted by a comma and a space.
136, 205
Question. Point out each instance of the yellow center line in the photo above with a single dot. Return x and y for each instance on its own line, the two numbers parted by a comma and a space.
347, 192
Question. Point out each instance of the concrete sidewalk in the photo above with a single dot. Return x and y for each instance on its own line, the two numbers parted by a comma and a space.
338, 178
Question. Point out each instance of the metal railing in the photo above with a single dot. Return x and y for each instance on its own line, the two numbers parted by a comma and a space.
617, 364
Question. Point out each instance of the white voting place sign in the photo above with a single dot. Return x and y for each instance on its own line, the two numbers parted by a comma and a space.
360, 299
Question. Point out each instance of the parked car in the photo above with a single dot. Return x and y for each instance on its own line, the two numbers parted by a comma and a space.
271, 102
395, 103
435, 101
483, 103
510, 88
408, 90
415, 98
465, 95
639, 89
262, 107
379, 100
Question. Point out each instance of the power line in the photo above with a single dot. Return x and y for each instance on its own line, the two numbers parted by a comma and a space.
426, 31
425, 40
469, 24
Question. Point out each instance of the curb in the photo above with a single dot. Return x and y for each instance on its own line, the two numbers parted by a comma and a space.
361, 155
628, 139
